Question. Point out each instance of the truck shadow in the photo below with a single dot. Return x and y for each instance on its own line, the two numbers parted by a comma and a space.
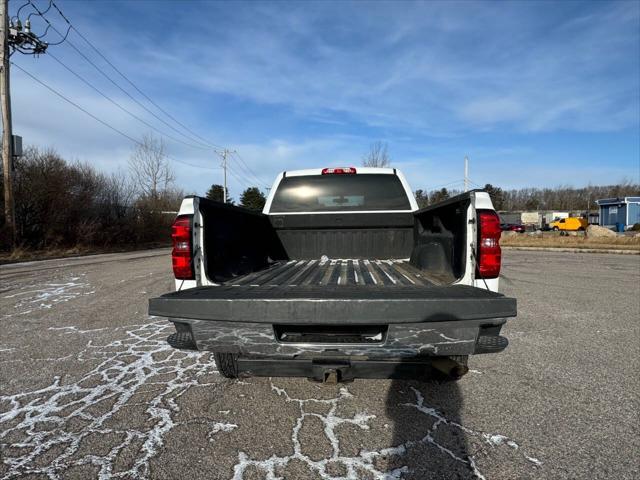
428, 437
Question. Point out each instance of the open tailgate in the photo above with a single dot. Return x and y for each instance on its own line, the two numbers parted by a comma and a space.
312, 304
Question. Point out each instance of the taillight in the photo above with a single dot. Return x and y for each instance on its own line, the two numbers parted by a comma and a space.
181, 253
331, 171
489, 254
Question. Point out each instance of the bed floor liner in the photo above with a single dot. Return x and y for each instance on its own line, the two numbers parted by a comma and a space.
336, 273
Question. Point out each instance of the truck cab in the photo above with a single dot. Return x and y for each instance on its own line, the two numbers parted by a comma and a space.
341, 275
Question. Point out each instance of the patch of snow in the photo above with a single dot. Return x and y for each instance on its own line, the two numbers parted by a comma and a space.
46, 296
74, 329
139, 358
474, 469
220, 427
365, 460
535, 461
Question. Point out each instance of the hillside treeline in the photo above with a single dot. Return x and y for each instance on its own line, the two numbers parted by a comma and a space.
556, 198
60, 204
565, 197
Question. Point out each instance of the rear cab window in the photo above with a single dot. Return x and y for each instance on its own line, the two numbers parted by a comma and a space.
340, 193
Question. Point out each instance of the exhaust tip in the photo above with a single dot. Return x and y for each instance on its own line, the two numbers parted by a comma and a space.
450, 368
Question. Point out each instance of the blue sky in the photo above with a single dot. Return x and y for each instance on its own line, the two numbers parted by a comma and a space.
535, 93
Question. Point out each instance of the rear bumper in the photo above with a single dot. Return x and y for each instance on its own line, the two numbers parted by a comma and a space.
293, 322
321, 369
406, 340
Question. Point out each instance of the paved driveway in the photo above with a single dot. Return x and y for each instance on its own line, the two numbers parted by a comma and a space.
88, 387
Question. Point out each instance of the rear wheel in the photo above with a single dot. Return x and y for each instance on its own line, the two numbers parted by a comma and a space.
227, 364
555, 229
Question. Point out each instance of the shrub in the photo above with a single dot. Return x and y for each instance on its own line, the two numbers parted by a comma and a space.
64, 205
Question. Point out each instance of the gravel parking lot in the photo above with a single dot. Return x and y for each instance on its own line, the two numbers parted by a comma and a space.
89, 387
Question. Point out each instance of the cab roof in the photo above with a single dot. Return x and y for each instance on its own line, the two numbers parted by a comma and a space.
318, 171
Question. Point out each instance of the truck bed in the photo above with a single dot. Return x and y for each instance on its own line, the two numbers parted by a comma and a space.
382, 273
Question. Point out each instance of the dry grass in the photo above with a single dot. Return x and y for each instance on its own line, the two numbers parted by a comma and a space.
21, 254
553, 239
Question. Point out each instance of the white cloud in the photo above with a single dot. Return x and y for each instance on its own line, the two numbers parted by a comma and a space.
424, 66
427, 70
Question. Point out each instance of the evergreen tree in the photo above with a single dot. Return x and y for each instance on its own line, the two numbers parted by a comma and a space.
497, 196
439, 195
422, 198
216, 193
253, 199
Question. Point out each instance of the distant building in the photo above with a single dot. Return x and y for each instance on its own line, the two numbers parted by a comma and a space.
624, 210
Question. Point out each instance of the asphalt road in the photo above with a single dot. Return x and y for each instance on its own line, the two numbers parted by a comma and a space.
89, 388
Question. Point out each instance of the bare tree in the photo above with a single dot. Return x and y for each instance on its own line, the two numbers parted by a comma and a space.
150, 168
377, 156
119, 192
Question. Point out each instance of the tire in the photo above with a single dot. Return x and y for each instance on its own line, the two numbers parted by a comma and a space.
555, 229
227, 364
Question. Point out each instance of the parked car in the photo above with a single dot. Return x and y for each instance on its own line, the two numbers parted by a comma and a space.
340, 276
571, 224
513, 227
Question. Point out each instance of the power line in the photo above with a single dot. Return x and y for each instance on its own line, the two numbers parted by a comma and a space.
17, 15
96, 89
187, 129
226, 167
102, 72
444, 185
240, 180
97, 119
241, 176
259, 179
244, 166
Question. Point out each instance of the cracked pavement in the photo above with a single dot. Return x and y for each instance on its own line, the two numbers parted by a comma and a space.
90, 389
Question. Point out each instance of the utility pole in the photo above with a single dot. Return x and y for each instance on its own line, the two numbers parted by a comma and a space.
223, 154
7, 139
466, 174
224, 168
13, 37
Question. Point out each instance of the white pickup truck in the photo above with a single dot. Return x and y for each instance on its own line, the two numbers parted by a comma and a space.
340, 276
